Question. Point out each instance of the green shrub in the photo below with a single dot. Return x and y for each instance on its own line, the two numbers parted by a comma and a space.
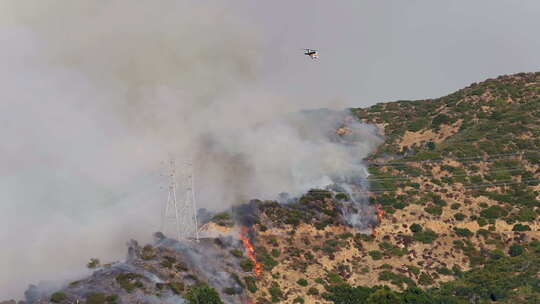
345, 294
221, 216
342, 196
299, 300
434, 210
515, 250
425, 279
364, 237
100, 298
312, 291
333, 278
455, 206
444, 271
496, 254
427, 236
386, 266
413, 269
440, 120
493, 212
396, 279
223, 219
526, 215
96, 298
302, 282
202, 293
459, 216
481, 221
346, 235
416, 228
417, 124
251, 284
463, 232
148, 252
456, 269
390, 249
112, 299
176, 287
237, 253
275, 292
375, 254
129, 281
268, 263
247, 265
58, 297
520, 227
483, 232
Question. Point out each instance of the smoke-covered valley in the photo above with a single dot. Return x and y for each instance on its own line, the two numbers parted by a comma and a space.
96, 94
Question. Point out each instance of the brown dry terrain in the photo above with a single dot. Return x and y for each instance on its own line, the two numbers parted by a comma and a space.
465, 168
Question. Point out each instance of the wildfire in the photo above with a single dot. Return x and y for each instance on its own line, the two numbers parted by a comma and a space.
380, 212
380, 215
250, 250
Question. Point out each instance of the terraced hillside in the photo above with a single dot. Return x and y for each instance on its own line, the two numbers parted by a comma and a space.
469, 159
463, 170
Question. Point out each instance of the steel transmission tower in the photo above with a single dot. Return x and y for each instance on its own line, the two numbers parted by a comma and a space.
180, 215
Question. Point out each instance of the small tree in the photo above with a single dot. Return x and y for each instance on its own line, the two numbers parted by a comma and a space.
416, 227
515, 250
275, 292
521, 227
203, 294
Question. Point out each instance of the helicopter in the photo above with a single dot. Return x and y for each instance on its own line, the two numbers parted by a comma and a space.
314, 54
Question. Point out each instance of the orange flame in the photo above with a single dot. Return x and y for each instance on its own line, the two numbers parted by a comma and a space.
250, 250
380, 212
380, 215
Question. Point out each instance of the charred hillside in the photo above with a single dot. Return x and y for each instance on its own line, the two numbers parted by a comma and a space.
237, 260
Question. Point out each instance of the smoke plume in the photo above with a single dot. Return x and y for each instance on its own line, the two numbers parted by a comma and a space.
95, 94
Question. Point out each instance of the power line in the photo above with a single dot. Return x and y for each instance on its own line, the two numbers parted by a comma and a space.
485, 157
466, 186
510, 169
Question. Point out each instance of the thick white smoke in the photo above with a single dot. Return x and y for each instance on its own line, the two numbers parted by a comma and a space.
96, 93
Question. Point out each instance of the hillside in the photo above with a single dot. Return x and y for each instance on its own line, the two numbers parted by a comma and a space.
457, 178
453, 217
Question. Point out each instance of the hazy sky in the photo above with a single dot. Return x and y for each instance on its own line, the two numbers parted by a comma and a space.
373, 51
96, 93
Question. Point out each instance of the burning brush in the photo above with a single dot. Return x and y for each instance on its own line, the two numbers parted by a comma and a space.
380, 212
380, 215
244, 236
